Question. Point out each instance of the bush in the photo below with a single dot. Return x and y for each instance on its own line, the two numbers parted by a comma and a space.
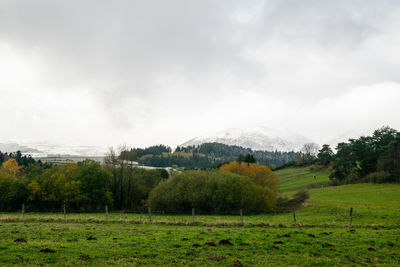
379, 178
334, 182
284, 203
211, 191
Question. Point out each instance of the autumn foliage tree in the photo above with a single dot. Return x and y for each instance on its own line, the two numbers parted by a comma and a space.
12, 184
11, 167
259, 174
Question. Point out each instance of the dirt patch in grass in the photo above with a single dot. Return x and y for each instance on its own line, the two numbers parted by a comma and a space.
84, 257
20, 240
217, 258
48, 250
211, 244
225, 242
237, 263
91, 238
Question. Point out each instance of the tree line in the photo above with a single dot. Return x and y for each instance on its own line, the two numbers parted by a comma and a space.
374, 158
89, 185
86, 185
204, 156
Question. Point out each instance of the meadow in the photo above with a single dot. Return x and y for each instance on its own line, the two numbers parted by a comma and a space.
321, 237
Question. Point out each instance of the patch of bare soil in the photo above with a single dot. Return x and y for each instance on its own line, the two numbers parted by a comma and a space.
237, 263
84, 257
225, 242
217, 258
48, 250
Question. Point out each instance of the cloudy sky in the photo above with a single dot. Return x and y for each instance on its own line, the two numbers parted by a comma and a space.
146, 72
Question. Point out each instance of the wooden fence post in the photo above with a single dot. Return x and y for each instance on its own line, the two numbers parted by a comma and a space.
241, 216
149, 211
106, 213
294, 216
65, 213
23, 211
193, 218
350, 216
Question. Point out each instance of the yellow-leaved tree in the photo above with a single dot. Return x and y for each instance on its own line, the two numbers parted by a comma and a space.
261, 175
11, 167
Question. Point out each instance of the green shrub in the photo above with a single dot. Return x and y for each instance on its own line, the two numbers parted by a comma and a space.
284, 203
211, 191
379, 177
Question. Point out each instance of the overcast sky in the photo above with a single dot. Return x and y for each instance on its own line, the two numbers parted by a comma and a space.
147, 72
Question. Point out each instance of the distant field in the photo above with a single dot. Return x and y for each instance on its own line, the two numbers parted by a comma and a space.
321, 237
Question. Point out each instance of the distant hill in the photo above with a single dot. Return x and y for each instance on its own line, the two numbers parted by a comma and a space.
12, 147
256, 138
40, 150
208, 155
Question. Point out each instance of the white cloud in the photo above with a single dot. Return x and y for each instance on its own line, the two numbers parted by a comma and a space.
104, 73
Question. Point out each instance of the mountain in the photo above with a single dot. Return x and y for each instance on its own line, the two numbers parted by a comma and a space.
256, 138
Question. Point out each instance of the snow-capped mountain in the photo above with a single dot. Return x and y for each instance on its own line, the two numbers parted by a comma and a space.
256, 138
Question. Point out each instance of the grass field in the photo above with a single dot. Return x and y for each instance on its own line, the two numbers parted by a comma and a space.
321, 238
294, 179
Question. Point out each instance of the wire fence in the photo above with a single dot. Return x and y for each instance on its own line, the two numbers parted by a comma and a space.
146, 215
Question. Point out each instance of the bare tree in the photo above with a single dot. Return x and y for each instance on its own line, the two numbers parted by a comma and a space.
310, 151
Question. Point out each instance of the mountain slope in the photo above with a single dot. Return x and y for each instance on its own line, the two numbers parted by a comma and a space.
257, 138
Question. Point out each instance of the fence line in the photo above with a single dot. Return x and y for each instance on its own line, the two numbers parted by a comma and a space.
150, 212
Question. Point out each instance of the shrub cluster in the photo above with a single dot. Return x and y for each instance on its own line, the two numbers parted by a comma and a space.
211, 191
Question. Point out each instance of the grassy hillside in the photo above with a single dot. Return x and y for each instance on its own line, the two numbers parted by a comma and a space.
372, 203
296, 178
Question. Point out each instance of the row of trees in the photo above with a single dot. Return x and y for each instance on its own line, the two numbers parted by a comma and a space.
90, 185
82, 185
22, 160
204, 156
374, 158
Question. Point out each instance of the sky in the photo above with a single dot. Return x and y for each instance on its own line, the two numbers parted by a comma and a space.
104, 73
